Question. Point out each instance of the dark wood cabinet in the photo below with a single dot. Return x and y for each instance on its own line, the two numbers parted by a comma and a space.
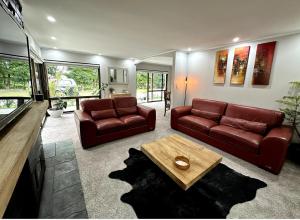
25, 199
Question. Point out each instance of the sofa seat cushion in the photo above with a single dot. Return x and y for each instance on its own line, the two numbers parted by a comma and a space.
245, 140
133, 120
197, 123
109, 125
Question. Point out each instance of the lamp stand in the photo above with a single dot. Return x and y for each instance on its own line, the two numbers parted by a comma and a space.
185, 90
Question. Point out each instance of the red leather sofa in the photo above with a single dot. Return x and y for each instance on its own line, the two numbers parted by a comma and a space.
103, 120
253, 134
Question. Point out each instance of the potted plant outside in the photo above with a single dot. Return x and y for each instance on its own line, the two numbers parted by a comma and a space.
102, 90
58, 108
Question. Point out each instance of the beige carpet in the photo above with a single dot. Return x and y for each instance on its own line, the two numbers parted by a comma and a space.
280, 199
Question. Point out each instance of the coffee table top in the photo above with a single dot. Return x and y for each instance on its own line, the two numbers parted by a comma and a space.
163, 152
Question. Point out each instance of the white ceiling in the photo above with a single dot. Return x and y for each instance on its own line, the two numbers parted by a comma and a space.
144, 28
161, 60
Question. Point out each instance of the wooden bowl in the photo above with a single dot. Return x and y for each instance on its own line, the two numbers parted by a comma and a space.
182, 162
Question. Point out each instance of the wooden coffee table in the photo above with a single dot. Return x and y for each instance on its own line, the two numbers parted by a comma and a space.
163, 152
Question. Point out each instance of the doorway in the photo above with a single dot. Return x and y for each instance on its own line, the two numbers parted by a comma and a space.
151, 85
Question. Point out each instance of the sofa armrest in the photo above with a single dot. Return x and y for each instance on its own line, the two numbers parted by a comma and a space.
179, 112
149, 114
83, 116
86, 128
273, 148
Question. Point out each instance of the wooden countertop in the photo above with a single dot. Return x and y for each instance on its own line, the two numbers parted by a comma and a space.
119, 94
15, 146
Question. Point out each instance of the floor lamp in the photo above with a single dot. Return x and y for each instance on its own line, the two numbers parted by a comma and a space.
185, 82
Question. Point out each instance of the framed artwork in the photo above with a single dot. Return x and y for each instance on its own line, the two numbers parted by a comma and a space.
220, 66
263, 63
239, 67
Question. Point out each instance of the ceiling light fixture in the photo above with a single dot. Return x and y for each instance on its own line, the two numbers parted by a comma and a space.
53, 38
100, 54
55, 48
51, 19
189, 49
236, 39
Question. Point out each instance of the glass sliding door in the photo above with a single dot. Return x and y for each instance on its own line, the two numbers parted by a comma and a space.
141, 86
151, 85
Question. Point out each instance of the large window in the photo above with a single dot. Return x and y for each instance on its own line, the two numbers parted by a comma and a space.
68, 81
150, 85
14, 77
14, 82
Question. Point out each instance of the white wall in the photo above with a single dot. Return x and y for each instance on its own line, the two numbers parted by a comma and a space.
286, 68
179, 74
104, 62
13, 49
35, 50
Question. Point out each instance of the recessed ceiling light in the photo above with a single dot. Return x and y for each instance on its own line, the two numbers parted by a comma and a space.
53, 38
51, 19
55, 48
189, 49
236, 39
100, 54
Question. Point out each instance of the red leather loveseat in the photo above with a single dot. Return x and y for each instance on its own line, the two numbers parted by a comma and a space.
103, 120
253, 134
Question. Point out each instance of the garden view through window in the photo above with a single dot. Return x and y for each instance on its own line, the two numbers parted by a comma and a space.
14, 82
150, 85
72, 81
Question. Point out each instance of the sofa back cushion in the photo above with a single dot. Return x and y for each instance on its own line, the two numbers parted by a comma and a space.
125, 105
103, 114
253, 126
208, 109
205, 114
270, 117
96, 105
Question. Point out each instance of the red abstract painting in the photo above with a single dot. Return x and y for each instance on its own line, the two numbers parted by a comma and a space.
263, 63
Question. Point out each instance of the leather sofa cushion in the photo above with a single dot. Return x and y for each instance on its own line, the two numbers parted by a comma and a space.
133, 120
102, 114
96, 105
205, 114
256, 127
125, 105
270, 117
244, 140
109, 125
209, 105
197, 123
127, 111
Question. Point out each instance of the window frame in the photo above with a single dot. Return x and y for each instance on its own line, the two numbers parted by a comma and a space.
77, 98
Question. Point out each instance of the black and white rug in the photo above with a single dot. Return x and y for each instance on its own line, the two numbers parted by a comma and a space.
155, 195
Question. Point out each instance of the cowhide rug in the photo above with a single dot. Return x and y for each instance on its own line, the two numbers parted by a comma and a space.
156, 195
